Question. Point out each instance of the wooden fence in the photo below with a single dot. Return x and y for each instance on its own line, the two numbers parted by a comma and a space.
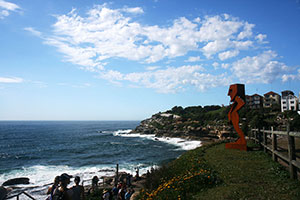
268, 139
19, 194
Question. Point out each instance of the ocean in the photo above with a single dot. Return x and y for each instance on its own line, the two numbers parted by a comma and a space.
41, 150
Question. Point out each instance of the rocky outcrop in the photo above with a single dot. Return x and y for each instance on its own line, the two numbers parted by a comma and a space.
16, 181
170, 125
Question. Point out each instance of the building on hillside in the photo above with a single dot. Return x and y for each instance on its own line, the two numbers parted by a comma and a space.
271, 99
254, 101
288, 101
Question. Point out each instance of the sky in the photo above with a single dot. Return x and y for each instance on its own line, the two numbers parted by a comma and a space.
129, 59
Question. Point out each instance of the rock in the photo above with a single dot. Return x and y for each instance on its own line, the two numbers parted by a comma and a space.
16, 181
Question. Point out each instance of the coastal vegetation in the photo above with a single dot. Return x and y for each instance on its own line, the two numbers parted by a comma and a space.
213, 172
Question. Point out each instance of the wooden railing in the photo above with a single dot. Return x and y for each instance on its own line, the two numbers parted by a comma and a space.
19, 194
262, 136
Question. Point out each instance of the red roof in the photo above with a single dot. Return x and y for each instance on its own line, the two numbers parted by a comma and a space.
271, 93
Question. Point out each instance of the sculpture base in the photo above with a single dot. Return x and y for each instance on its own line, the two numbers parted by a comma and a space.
235, 145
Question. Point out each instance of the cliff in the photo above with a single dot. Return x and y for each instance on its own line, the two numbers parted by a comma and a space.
191, 123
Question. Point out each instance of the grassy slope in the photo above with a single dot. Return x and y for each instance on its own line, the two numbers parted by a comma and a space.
230, 174
248, 175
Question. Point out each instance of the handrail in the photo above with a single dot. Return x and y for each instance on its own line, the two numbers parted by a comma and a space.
17, 195
260, 136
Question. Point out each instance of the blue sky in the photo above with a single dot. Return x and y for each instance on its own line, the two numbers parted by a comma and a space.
126, 60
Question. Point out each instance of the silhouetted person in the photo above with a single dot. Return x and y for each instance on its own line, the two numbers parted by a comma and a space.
53, 187
78, 190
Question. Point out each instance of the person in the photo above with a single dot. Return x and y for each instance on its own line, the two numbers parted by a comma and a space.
106, 195
62, 192
129, 193
115, 191
128, 180
121, 193
53, 187
3, 192
77, 190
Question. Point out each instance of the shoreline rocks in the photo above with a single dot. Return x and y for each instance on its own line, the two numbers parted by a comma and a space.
16, 181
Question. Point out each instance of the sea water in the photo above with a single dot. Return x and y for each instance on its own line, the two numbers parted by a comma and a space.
41, 150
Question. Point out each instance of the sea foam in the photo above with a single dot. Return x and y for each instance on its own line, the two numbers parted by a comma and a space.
183, 144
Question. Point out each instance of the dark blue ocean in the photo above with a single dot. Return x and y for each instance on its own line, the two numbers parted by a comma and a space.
40, 150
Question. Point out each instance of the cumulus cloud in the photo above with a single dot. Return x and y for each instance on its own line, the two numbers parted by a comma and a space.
262, 68
261, 38
193, 59
215, 65
228, 54
7, 7
112, 33
286, 77
94, 40
10, 80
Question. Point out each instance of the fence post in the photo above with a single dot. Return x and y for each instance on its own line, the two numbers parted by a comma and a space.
265, 140
292, 155
259, 137
117, 174
274, 145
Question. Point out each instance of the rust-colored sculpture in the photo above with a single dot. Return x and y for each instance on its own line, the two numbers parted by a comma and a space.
237, 96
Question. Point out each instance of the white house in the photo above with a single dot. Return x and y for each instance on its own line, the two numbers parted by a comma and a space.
288, 101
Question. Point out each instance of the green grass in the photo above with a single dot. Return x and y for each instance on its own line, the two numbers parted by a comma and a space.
225, 174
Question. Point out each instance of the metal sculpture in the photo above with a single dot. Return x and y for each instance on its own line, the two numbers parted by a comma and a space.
237, 96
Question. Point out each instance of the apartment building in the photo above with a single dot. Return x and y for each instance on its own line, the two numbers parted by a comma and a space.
270, 99
288, 101
254, 101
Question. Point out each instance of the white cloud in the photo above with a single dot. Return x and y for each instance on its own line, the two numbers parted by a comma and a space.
33, 31
171, 79
107, 33
286, 77
193, 59
262, 68
93, 41
261, 38
215, 65
247, 32
228, 54
151, 68
10, 80
214, 47
136, 10
225, 65
6, 7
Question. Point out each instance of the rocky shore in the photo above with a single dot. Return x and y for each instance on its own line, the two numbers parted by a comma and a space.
171, 125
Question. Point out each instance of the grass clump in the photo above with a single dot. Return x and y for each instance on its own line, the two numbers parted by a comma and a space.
181, 178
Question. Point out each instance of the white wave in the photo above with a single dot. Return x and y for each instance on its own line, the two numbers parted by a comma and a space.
122, 131
179, 142
41, 177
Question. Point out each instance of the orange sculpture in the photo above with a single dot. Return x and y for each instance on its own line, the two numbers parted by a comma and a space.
237, 96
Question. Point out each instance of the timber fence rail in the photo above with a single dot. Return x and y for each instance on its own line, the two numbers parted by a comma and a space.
17, 196
268, 139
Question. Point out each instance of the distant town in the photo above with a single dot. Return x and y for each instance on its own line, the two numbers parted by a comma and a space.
287, 101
